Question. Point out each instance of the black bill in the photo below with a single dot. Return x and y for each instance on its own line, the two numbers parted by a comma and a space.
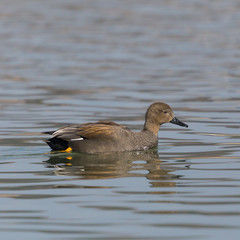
178, 122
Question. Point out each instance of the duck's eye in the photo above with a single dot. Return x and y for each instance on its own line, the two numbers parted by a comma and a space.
165, 112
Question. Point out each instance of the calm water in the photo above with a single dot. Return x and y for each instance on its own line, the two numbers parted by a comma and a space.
74, 61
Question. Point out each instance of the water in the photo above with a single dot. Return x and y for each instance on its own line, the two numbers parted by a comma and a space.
76, 61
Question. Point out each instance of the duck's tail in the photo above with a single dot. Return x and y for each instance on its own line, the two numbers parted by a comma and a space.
56, 144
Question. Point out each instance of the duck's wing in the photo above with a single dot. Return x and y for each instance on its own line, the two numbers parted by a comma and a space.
90, 130
104, 129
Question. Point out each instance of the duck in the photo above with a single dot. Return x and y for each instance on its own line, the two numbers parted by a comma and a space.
108, 136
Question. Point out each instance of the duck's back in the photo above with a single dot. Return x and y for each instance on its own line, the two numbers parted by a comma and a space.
103, 136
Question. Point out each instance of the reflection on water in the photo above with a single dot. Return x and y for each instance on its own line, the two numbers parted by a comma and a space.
76, 61
108, 165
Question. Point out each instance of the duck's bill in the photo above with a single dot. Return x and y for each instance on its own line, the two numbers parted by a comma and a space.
178, 122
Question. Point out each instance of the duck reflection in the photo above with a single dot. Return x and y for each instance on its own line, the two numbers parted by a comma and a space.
112, 165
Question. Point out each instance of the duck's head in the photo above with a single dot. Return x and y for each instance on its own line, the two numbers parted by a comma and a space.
159, 113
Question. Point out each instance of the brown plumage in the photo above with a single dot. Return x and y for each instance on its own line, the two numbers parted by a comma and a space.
106, 136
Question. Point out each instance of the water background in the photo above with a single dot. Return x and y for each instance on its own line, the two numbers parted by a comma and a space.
79, 61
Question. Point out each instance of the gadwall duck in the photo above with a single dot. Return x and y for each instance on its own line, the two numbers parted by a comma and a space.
106, 136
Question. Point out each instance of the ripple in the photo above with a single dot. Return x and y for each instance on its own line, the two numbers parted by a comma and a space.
83, 61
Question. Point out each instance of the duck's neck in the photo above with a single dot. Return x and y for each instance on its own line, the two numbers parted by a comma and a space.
152, 127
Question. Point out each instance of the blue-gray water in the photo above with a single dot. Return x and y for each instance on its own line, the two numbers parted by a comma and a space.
74, 61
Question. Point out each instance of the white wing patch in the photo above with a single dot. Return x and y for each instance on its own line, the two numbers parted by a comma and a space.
77, 139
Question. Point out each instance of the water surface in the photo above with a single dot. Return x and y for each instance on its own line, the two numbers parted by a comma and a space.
75, 61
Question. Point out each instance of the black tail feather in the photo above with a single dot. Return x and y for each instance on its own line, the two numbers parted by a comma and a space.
57, 144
